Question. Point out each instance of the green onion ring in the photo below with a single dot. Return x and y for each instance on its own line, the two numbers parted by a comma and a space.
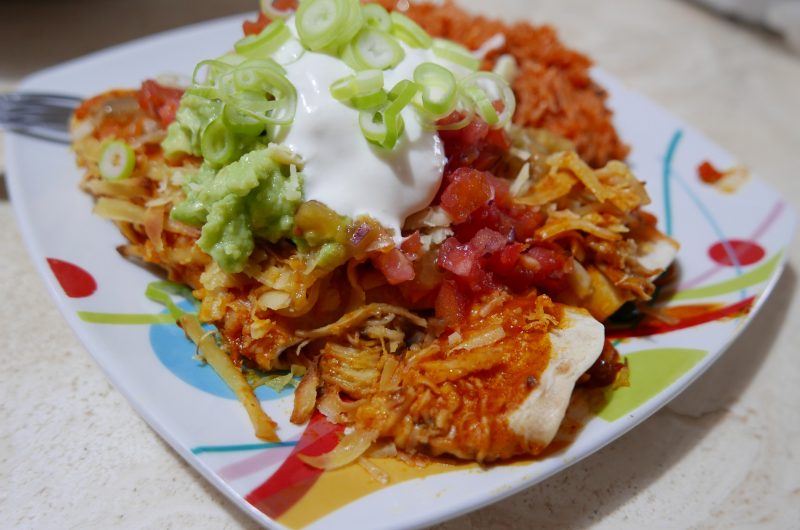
117, 160
241, 123
370, 101
376, 49
438, 88
376, 16
495, 88
215, 68
352, 25
218, 143
265, 43
363, 83
409, 31
455, 53
320, 22
481, 103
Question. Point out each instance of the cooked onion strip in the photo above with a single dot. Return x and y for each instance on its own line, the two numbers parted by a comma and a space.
128, 189
221, 362
154, 226
119, 210
354, 318
305, 396
350, 448
374, 471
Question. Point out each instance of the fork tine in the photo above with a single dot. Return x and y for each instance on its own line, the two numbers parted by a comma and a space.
35, 97
38, 115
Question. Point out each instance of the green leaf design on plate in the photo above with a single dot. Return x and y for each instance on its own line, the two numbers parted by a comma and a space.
760, 274
651, 371
125, 318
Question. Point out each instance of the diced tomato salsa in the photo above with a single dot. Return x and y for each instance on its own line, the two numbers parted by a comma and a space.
395, 266
493, 243
160, 101
492, 246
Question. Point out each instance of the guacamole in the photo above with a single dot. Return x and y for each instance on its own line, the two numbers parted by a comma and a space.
256, 196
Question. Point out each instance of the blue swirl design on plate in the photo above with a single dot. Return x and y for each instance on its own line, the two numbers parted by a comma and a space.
177, 354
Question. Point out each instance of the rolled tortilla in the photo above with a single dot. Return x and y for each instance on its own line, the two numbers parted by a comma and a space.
575, 346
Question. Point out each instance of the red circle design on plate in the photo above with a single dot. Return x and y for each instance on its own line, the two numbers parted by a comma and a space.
746, 252
76, 281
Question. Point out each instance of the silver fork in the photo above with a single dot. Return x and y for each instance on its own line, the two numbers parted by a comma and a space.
43, 116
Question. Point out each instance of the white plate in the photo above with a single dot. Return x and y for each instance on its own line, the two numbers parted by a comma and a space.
152, 365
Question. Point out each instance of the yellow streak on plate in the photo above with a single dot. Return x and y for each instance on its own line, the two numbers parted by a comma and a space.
340, 487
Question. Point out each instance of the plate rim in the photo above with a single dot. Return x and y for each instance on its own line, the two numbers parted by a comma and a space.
36, 251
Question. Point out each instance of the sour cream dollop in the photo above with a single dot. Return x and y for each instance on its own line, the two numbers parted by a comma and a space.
341, 168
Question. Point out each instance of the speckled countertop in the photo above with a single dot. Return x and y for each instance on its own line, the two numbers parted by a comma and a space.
73, 454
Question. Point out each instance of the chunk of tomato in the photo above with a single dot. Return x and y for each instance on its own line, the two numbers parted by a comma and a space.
395, 266
160, 101
467, 191
452, 303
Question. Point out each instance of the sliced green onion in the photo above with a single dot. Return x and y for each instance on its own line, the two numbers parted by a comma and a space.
273, 12
376, 16
348, 57
241, 123
394, 128
232, 59
469, 115
273, 101
381, 128
370, 101
248, 79
263, 63
253, 81
213, 70
117, 160
367, 82
493, 88
385, 127
342, 89
352, 25
266, 111
482, 104
372, 126
455, 53
438, 87
401, 95
270, 39
320, 22
409, 31
255, 75
208, 92
253, 103
376, 49
289, 52
218, 143
361, 83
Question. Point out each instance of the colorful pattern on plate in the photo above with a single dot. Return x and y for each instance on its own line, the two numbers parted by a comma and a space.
728, 262
297, 495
